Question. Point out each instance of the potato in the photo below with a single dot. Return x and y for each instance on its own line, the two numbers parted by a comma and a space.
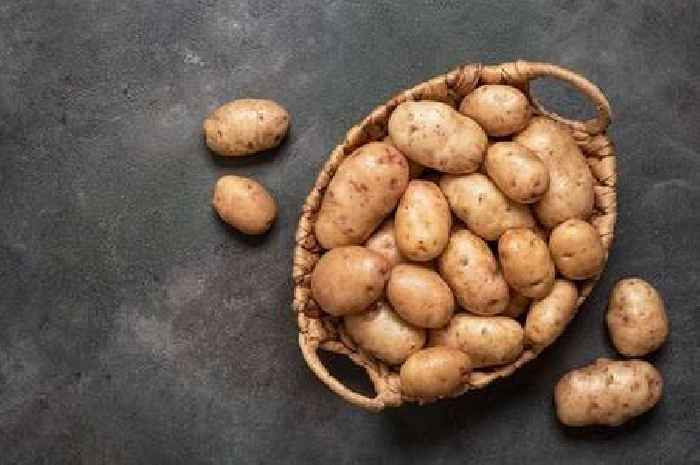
488, 340
608, 392
488, 213
501, 110
469, 268
549, 316
244, 204
420, 296
517, 171
414, 169
526, 263
577, 249
383, 334
434, 372
349, 279
383, 241
570, 192
366, 187
636, 317
422, 221
245, 126
517, 305
435, 135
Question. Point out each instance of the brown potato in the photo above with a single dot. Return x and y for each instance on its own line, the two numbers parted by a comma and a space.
526, 263
517, 305
245, 126
636, 317
549, 316
366, 187
517, 171
420, 296
501, 110
577, 249
414, 169
244, 204
383, 241
434, 372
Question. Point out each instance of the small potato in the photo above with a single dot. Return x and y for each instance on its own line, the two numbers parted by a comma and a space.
577, 249
527, 265
434, 372
422, 221
244, 204
477, 201
636, 317
382, 333
517, 171
608, 392
383, 241
501, 110
420, 296
365, 189
349, 279
517, 305
435, 135
246, 126
414, 169
549, 316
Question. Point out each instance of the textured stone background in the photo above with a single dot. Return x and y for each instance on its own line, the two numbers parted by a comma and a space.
137, 328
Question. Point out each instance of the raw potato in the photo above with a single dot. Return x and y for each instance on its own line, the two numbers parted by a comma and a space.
244, 204
349, 279
476, 200
422, 221
435, 135
366, 187
526, 263
501, 110
470, 269
420, 296
517, 171
607, 392
383, 241
549, 316
636, 317
577, 249
414, 169
434, 372
517, 305
246, 126
382, 333
570, 192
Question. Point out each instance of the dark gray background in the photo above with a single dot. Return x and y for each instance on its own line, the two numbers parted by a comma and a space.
136, 328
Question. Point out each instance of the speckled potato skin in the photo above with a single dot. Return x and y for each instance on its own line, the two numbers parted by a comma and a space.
383, 241
414, 169
365, 189
349, 279
577, 249
470, 269
517, 171
548, 317
608, 392
244, 204
381, 332
435, 135
636, 318
526, 263
245, 126
476, 200
517, 305
501, 110
434, 372
420, 296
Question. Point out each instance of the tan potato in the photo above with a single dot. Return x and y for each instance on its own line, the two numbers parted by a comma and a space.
420, 296
517, 305
577, 249
549, 316
501, 110
470, 269
244, 204
434, 372
383, 241
348, 279
414, 169
608, 392
382, 333
245, 126
477, 201
636, 317
517, 171
435, 135
526, 263
570, 192
365, 189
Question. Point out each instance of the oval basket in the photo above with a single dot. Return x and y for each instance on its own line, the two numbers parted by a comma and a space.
318, 330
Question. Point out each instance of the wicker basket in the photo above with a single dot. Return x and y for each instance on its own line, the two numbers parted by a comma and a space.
320, 331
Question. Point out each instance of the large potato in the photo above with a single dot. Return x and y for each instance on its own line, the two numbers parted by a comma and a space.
244, 204
526, 263
607, 392
549, 316
420, 296
501, 110
470, 269
517, 171
365, 188
383, 241
349, 279
577, 249
434, 372
435, 135
636, 317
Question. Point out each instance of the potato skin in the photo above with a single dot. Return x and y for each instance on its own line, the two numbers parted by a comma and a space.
577, 249
434, 372
381, 332
636, 317
517, 305
470, 269
420, 296
548, 317
383, 241
526, 263
366, 187
607, 392
414, 169
245, 126
517, 171
501, 110
348, 279
244, 204
435, 135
